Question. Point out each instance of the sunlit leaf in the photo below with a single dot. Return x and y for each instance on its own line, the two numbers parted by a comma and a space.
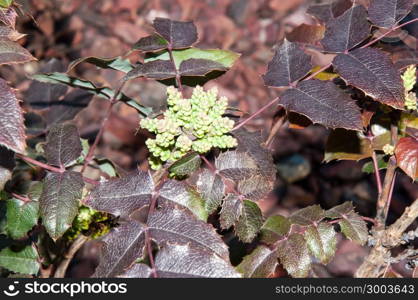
212, 189
114, 63
186, 165
12, 53
354, 228
260, 263
150, 43
322, 241
23, 261
307, 216
21, 217
255, 187
294, 255
249, 222
274, 228
177, 34
387, 13
406, 153
235, 165
231, 211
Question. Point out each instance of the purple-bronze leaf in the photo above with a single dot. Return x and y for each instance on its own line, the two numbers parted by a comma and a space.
249, 222
372, 71
178, 34
168, 224
12, 53
406, 153
346, 31
59, 201
12, 129
255, 187
231, 211
323, 103
387, 13
121, 248
322, 241
186, 261
236, 165
122, 196
8, 16
307, 216
261, 263
200, 67
156, 69
150, 43
137, 271
289, 64
212, 189
63, 145
328, 11
294, 255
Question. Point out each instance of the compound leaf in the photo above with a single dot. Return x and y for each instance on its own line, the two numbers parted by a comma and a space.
63, 145
122, 196
249, 221
235, 165
24, 261
274, 228
307, 216
387, 13
322, 241
289, 64
346, 31
185, 261
294, 255
12, 53
260, 263
372, 71
121, 247
59, 201
177, 34
21, 217
12, 130
323, 103
406, 153
211, 188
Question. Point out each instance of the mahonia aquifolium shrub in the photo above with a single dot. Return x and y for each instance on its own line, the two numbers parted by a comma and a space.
195, 124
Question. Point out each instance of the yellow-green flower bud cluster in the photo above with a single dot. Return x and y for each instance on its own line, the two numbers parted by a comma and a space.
409, 78
389, 149
189, 124
82, 223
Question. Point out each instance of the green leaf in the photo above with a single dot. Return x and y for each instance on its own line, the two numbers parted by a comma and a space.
368, 167
322, 241
106, 166
5, 3
104, 92
223, 57
186, 165
249, 222
24, 261
354, 228
339, 210
294, 255
114, 63
59, 201
21, 217
307, 216
274, 228
260, 263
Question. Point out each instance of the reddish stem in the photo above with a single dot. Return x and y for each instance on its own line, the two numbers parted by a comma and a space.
377, 173
40, 164
23, 198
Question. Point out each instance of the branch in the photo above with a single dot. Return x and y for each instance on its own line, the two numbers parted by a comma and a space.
377, 173
68, 257
388, 238
386, 194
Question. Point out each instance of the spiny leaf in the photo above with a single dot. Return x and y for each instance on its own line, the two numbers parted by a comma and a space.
231, 211
294, 255
67, 108
63, 145
212, 189
252, 143
12, 130
169, 224
122, 246
7, 164
406, 153
8, 16
354, 228
328, 11
346, 31
177, 34
12, 53
9, 33
323, 103
41, 95
235, 165
185, 261
255, 187
200, 67
387, 13
260, 263
347, 145
122, 196
21, 217
274, 228
59, 201
186, 165
307, 216
289, 64
150, 43
24, 261
372, 71
156, 69
114, 63
249, 222
176, 192
322, 241
104, 92
339, 210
